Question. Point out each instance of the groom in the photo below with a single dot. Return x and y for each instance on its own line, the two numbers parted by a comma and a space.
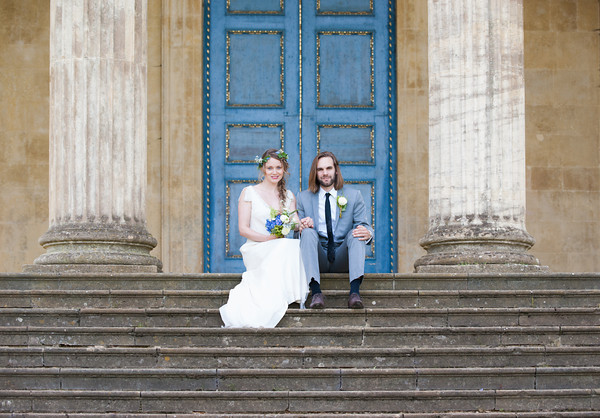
334, 229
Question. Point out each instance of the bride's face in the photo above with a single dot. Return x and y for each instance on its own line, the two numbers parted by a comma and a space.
273, 170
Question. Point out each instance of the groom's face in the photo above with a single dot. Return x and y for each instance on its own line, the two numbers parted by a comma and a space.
325, 172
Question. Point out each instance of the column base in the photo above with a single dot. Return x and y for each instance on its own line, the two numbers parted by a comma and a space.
480, 268
89, 268
480, 249
90, 247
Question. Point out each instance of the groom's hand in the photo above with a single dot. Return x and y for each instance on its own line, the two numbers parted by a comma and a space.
362, 233
306, 223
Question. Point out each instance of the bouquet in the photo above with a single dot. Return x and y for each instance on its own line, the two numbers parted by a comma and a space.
280, 223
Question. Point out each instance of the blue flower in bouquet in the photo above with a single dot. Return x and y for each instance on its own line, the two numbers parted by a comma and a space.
280, 223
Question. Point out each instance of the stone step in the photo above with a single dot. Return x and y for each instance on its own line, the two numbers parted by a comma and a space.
333, 298
300, 337
312, 379
300, 358
377, 317
554, 414
543, 414
297, 402
224, 281
485, 345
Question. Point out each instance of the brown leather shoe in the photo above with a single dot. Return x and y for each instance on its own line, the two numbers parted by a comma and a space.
354, 301
317, 301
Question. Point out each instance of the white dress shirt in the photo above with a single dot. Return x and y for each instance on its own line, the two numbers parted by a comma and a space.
322, 226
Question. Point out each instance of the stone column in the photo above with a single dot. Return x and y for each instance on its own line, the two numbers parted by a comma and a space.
476, 139
98, 76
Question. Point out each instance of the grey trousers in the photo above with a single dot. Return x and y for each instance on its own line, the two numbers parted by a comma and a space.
349, 256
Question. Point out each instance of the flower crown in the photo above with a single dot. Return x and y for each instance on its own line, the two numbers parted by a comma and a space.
261, 161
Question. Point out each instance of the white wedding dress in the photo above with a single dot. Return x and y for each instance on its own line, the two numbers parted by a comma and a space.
274, 275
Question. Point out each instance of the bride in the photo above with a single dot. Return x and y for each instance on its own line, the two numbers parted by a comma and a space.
274, 275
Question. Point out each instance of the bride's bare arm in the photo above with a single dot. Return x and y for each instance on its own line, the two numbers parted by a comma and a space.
244, 213
295, 217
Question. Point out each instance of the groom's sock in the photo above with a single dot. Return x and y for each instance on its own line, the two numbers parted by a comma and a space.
355, 285
315, 287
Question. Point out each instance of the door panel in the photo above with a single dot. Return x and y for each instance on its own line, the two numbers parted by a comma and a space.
344, 69
254, 68
346, 108
344, 7
319, 84
244, 140
356, 148
252, 105
255, 7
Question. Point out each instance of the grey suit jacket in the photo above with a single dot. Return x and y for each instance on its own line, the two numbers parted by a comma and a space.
354, 215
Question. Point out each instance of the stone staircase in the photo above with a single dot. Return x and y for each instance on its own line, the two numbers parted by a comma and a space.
509, 345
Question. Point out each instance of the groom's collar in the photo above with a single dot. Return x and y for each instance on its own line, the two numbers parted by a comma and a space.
332, 192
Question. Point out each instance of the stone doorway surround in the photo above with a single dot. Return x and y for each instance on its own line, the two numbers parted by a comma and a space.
182, 207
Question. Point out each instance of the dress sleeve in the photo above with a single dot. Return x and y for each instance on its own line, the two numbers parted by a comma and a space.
246, 194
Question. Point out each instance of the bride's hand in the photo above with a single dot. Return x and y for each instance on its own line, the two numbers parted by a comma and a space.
306, 223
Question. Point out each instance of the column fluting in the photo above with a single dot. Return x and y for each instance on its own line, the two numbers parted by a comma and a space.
476, 139
98, 119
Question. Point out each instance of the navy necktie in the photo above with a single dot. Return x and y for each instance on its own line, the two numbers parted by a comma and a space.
330, 246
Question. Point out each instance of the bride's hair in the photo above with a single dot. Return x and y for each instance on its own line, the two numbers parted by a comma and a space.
273, 153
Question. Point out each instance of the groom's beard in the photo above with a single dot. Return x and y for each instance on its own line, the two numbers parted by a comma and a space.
327, 182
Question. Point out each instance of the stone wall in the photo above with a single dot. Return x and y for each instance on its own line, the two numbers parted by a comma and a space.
181, 162
562, 59
413, 130
562, 87
24, 92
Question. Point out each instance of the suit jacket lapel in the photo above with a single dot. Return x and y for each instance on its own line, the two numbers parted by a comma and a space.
315, 208
337, 210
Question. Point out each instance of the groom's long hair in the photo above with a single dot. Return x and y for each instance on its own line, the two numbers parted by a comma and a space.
313, 180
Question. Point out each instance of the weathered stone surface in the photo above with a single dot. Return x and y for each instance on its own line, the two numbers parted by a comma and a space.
16, 401
457, 348
278, 337
477, 379
393, 401
567, 378
232, 402
90, 268
98, 127
542, 400
279, 380
516, 356
85, 401
476, 139
225, 281
99, 357
106, 245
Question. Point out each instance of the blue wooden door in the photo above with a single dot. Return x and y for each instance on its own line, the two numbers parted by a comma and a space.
305, 76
